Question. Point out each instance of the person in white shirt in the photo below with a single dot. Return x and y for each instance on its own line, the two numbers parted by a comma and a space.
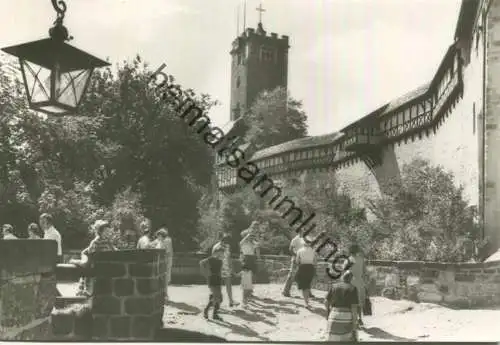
163, 241
8, 232
249, 247
295, 245
146, 241
306, 261
51, 233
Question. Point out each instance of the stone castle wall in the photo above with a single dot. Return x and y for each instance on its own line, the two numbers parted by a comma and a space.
27, 289
458, 284
453, 145
464, 141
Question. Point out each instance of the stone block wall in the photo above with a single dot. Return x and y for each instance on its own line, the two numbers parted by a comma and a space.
457, 284
128, 294
27, 289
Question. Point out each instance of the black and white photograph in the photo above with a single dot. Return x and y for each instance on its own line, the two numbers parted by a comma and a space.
250, 171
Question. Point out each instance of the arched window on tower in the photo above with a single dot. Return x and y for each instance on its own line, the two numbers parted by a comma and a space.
238, 81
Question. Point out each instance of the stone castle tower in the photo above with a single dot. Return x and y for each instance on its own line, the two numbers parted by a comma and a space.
259, 62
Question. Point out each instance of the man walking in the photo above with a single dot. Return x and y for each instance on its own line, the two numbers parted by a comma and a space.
295, 244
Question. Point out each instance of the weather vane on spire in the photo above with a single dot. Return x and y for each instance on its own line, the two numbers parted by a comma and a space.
260, 10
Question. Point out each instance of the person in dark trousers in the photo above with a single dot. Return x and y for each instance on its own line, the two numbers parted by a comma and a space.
211, 268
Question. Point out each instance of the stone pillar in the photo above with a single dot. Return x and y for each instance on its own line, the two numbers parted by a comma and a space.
129, 294
491, 187
27, 289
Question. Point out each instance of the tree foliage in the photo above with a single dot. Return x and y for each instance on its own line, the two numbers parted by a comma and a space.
424, 217
128, 143
275, 118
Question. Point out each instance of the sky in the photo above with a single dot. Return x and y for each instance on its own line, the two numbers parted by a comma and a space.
347, 57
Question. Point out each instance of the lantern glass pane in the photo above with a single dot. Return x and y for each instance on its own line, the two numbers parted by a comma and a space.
51, 109
70, 87
37, 82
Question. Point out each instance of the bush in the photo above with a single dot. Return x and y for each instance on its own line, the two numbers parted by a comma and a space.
125, 216
425, 217
73, 212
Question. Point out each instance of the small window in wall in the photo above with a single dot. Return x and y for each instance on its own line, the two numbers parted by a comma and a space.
266, 54
478, 38
238, 81
474, 118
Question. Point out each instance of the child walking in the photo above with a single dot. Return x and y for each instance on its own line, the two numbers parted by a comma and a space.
211, 268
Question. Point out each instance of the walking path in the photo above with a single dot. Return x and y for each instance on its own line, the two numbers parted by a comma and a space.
272, 317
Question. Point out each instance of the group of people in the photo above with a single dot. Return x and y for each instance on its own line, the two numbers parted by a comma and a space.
46, 230
102, 242
218, 270
346, 298
345, 301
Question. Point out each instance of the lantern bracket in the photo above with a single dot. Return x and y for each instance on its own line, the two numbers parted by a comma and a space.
58, 31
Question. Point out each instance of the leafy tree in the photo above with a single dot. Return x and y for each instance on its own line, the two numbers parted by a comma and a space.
425, 217
210, 223
275, 118
129, 136
146, 145
73, 212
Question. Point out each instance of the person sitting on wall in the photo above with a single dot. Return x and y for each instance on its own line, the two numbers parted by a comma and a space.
8, 232
147, 238
100, 243
34, 232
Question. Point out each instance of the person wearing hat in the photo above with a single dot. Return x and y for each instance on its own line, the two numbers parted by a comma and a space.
100, 243
227, 272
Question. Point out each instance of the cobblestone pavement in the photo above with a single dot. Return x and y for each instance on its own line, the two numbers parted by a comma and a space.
272, 317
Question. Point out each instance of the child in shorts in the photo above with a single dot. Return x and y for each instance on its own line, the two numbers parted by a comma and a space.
211, 268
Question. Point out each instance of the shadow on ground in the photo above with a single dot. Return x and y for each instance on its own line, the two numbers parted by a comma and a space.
379, 333
181, 335
242, 330
254, 315
186, 308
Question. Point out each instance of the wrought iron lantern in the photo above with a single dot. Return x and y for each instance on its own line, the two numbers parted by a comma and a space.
55, 74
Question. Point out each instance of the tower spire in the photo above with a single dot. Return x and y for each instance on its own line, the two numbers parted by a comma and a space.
238, 20
260, 9
244, 15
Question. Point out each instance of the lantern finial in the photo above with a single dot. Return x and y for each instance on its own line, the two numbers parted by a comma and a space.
58, 31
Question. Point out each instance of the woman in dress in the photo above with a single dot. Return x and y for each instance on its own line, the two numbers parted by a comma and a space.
358, 269
342, 309
163, 241
306, 262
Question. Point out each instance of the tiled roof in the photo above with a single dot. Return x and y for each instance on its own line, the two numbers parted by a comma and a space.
325, 139
297, 144
406, 98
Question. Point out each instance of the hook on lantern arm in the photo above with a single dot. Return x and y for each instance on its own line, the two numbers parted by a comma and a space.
60, 7
58, 31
